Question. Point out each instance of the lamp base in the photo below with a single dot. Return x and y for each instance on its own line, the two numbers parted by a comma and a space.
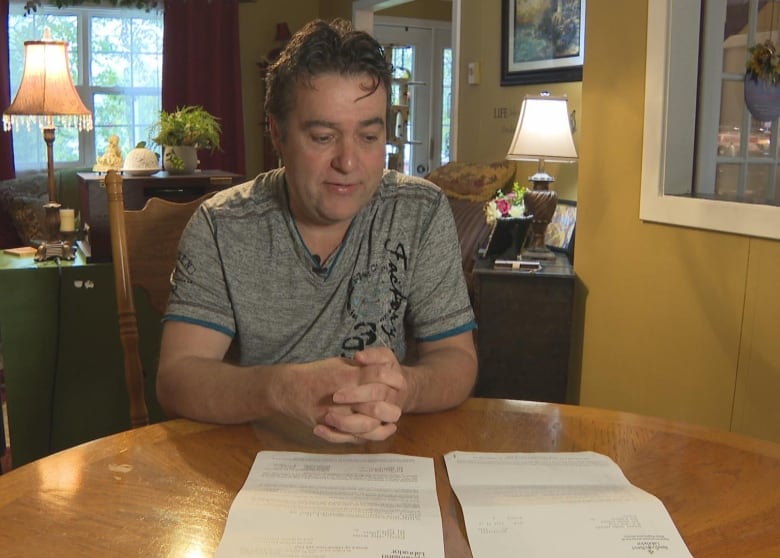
55, 250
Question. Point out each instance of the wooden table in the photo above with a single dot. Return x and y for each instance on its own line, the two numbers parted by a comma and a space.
165, 490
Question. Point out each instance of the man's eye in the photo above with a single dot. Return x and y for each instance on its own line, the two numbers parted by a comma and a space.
322, 138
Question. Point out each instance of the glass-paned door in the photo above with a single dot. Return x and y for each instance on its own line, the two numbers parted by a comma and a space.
418, 55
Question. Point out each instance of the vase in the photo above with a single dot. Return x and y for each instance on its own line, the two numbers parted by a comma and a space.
762, 99
507, 237
180, 159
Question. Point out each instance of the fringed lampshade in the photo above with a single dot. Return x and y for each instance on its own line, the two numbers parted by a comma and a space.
47, 97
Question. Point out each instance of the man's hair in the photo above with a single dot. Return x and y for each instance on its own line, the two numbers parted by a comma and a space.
324, 48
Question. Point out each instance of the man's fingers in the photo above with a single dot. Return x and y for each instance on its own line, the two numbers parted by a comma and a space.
365, 417
331, 435
375, 355
380, 433
363, 393
380, 410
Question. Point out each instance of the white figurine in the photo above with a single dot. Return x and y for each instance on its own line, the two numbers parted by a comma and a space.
112, 158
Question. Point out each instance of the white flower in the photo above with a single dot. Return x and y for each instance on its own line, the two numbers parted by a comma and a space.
491, 213
517, 211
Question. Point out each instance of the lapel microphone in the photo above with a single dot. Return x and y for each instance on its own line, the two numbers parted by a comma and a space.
318, 268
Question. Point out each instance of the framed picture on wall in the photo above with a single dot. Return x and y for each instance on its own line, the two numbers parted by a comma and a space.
559, 235
542, 42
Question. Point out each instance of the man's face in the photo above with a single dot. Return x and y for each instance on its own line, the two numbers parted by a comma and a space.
334, 149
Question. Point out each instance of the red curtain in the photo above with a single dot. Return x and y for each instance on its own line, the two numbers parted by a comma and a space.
6, 138
202, 66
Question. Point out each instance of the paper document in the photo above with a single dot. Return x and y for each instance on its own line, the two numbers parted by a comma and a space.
301, 505
558, 505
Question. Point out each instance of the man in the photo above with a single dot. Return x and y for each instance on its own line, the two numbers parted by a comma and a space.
293, 292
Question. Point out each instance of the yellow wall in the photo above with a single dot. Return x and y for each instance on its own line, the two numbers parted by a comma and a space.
421, 9
676, 322
257, 28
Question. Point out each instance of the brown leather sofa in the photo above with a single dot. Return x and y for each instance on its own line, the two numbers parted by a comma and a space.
468, 186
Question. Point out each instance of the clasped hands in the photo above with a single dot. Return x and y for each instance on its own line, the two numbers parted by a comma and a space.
351, 400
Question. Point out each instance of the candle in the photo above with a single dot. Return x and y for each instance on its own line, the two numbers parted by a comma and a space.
67, 220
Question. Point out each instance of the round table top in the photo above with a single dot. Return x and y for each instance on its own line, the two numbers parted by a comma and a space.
165, 489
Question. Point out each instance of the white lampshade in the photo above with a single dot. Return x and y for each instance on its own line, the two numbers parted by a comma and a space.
543, 131
46, 95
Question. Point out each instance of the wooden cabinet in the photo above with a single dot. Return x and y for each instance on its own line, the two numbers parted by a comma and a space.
63, 366
524, 330
137, 189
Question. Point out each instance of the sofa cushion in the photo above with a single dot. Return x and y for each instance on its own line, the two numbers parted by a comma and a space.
22, 217
472, 181
28, 217
8, 235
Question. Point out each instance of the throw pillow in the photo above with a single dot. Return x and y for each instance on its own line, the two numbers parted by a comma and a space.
8, 236
28, 217
472, 181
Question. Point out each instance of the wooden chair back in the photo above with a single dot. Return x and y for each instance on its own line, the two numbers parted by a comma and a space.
144, 246
5, 460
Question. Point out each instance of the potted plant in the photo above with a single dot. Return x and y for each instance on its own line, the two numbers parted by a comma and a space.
762, 81
181, 133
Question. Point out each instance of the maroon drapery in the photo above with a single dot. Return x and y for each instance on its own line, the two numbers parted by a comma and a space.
6, 138
202, 66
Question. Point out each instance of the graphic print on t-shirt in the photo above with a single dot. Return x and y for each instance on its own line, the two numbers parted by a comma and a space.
377, 302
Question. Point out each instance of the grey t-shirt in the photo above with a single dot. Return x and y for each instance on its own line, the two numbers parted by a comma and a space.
244, 270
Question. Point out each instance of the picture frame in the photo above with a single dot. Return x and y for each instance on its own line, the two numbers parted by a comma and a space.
559, 236
542, 44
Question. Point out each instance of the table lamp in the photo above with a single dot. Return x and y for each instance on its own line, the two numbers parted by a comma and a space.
47, 97
543, 133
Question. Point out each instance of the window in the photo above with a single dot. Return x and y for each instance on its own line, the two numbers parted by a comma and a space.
703, 171
732, 165
116, 66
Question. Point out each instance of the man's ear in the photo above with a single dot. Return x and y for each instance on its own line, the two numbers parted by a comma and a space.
276, 138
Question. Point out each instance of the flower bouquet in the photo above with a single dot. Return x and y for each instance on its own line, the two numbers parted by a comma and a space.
505, 206
762, 81
764, 62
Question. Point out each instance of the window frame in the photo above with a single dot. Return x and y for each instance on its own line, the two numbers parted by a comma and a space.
669, 132
88, 151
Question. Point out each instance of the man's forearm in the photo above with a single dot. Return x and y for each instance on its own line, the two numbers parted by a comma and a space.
213, 391
442, 378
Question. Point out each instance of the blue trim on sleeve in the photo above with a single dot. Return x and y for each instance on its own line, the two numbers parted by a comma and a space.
210, 325
436, 337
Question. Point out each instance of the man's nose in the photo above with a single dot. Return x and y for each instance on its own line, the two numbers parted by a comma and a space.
346, 154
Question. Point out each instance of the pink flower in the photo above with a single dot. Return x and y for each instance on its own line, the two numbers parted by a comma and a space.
504, 205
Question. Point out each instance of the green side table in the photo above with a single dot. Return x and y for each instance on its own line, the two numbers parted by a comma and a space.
62, 355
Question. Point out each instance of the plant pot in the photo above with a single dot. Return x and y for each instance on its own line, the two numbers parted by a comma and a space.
762, 99
180, 159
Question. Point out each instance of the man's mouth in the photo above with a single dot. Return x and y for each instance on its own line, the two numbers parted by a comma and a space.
340, 187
